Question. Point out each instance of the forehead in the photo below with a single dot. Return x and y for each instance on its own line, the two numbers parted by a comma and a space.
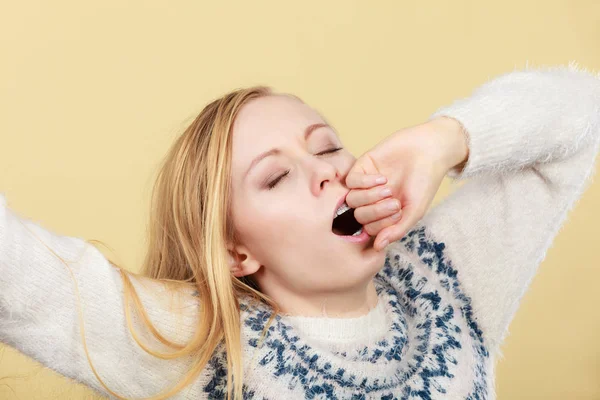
268, 122
272, 117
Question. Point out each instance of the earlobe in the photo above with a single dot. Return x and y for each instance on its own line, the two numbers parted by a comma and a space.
244, 269
233, 265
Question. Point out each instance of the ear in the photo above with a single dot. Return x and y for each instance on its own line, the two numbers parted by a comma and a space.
241, 261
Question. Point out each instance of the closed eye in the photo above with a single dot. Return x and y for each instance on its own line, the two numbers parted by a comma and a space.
329, 151
275, 181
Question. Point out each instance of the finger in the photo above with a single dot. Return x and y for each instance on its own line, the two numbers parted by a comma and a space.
373, 212
358, 180
362, 197
409, 218
375, 227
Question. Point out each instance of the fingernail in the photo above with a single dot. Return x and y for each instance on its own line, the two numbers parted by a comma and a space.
396, 216
392, 206
383, 244
385, 192
380, 180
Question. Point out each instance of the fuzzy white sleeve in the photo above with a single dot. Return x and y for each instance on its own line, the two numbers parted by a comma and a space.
533, 136
39, 311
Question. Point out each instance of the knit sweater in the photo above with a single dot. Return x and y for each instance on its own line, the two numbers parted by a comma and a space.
447, 290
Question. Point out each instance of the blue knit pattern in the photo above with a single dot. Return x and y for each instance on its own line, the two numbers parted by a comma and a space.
416, 359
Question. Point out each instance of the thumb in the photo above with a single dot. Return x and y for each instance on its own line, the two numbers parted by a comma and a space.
354, 177
363, 174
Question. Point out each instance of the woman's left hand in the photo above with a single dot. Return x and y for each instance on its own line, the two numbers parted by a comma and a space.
414, 160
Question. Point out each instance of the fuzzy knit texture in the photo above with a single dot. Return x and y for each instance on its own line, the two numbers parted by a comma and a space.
447, 291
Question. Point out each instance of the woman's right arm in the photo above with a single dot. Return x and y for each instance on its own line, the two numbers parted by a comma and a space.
39, 311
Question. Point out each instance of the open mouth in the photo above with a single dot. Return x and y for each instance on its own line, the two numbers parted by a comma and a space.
344, 223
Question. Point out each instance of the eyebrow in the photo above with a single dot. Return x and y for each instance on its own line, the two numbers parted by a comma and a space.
309, 129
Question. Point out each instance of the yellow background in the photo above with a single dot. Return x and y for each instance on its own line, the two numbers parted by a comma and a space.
93, 93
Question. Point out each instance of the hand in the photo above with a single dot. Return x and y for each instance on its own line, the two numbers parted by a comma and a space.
414, 161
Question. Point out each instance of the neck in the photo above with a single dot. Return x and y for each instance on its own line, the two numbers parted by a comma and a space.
347, 304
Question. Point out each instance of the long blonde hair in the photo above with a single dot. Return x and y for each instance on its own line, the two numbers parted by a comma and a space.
191, 225
189, 229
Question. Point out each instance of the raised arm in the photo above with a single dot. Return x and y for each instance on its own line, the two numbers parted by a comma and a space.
533, 136
39, 312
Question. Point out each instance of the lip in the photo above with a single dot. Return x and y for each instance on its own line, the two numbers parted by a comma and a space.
362, 238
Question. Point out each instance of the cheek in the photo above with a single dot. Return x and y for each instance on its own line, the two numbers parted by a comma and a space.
257, 223
274, 223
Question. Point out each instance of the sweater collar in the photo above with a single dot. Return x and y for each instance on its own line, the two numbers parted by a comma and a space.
338, 332
366, 327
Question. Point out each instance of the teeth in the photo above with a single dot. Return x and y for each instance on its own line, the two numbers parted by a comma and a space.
343, 208
358, 232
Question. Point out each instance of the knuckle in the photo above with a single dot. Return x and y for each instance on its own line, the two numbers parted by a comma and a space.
366, 215
350, 199
359, 215
374, 195
385, 225
385, 210
376, 214
395, 217
371, 230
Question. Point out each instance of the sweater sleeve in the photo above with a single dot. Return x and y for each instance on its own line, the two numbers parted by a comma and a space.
533, 136
39, 312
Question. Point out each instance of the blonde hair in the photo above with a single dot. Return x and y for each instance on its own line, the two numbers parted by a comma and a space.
189, 229
191, 225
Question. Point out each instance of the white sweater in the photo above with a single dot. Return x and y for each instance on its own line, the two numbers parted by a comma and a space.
448, 289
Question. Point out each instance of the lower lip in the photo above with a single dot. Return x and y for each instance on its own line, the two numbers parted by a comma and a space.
362, 238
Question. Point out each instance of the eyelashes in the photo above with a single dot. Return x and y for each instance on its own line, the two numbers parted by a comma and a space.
329, 151
275, 181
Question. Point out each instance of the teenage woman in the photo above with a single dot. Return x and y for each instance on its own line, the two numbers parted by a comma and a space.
279, 266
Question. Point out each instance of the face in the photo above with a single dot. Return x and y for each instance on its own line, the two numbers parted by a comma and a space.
283, 204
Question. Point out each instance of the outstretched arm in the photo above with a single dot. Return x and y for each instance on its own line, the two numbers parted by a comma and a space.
39, 311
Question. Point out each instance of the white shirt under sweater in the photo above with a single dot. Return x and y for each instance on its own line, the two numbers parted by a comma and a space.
447, 292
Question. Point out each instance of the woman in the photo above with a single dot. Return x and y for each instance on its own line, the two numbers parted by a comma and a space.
265, 273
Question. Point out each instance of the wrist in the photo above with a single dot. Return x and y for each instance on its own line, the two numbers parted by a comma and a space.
452, 139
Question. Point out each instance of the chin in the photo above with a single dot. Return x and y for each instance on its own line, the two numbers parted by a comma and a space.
375, 259
371, 262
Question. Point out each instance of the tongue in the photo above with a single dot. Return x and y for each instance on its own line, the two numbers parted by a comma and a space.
338, 232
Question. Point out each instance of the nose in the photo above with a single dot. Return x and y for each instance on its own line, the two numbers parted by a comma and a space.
324, 173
